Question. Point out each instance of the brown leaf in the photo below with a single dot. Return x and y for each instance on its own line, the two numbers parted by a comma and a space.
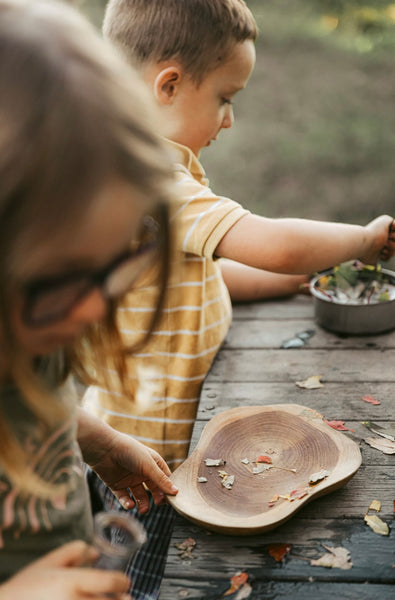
337, 557
338, 425
237, 581
311, 383
264, 459
382, 444
371, 400
186, 547
377, 525
279, 551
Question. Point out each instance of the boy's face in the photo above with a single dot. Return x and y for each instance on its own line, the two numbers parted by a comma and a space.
199, 113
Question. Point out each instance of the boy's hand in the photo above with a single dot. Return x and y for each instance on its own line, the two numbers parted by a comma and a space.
58, 575
381, 244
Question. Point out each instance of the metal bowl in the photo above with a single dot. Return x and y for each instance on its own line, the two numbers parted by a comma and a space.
353, 319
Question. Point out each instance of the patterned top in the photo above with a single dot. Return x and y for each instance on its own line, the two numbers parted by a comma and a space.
195, 320
29, 525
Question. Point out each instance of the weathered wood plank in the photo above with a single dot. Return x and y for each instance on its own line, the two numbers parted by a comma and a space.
258, 333
284, 365
297, 307
372, 555
334, 400
173, 589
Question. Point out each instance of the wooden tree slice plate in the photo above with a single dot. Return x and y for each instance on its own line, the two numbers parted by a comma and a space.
292, 436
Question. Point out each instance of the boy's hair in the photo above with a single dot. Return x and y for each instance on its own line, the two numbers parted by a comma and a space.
199, 34
73, 118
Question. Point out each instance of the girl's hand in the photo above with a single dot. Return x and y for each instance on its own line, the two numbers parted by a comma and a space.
58, 575
125, 465
128, 467
381, 240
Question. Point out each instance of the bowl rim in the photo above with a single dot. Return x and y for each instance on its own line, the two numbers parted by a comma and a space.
320, 296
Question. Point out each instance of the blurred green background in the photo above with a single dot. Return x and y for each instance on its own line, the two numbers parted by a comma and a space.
314, 134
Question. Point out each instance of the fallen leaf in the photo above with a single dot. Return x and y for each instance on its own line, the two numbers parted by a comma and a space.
237, 581
336, 557
298, 494
338, 425
276, 497
186, 547
319, 476
279, 551
311, 383
214, 462
377, 524
261, 468
371, 400
375, 505
264, 459
386, 432
382, 444
244, 592
202, 479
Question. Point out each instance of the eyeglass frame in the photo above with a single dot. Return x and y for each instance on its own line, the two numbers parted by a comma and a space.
95, 279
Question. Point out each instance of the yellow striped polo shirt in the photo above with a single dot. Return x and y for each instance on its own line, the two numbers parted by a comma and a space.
196, 317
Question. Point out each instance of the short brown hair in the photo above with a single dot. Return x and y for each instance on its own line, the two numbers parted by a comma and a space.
200, 34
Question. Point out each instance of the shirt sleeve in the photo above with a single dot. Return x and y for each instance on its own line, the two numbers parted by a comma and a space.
202, 218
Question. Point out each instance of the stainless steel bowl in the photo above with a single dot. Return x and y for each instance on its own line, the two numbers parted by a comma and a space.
353, 319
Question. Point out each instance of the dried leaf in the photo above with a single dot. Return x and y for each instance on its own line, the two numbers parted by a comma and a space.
386, 432
276, 497
186, 547
371, 400
236, 582
319, 476
311, 383
261, 468
382, 444
336, 557
228, 481
214, 462
375, 505
279, 551
338, 425
202, 479
264, 459
244, 592
298, 494
377, 524
245, 461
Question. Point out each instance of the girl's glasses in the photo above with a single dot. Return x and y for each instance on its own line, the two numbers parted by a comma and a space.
52, 299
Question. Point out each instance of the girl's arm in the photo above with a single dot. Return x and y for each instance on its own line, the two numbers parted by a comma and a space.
123, 463
297, 246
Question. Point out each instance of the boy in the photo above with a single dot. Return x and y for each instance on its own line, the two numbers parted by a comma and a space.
195, 55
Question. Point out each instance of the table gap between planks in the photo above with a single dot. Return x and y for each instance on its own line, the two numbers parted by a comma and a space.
253, 369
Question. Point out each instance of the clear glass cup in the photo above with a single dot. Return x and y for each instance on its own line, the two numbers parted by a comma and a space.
117, 538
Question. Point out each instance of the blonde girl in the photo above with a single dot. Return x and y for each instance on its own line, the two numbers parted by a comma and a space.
83, 214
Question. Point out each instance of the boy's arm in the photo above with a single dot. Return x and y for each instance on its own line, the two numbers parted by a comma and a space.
246, 284
302, 246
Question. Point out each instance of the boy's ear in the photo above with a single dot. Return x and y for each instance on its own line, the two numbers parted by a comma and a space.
166, 84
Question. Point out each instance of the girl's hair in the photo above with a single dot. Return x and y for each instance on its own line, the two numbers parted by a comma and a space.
73, 118
199, 34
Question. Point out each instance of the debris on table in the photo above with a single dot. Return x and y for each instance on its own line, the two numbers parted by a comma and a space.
227, 480
239, 582
374, 522
214, 462
202, 479
319, 476
336, 557
371, 400
311, 383
279, 551
382, 444
385, 432
185, 548
338, 425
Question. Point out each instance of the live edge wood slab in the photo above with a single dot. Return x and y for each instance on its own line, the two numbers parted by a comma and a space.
295, 444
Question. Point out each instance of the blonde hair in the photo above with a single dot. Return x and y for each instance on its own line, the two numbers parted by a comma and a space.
73, 117
199, 34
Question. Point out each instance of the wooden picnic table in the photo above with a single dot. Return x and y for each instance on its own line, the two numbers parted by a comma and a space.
253, 369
